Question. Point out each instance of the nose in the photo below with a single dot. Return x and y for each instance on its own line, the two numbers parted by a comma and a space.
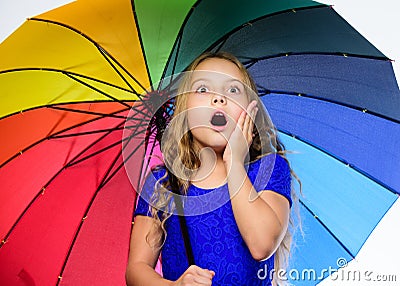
218, 99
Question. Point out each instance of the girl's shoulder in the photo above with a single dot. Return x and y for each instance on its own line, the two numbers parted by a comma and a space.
155, 174
158, 171
269, 163
271, 172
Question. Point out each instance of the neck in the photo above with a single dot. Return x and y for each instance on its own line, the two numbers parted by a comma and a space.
211, 166
208, 159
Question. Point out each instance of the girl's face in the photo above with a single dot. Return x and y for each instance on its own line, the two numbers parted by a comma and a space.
217, 98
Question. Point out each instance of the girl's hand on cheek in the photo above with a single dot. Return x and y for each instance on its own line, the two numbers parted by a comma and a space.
195, 275
242, 137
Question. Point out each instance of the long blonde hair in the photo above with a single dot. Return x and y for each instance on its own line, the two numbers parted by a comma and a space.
180, 150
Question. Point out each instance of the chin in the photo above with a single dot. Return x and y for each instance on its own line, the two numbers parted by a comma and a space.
218, 145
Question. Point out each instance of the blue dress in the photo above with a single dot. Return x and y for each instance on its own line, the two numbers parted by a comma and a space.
215, 238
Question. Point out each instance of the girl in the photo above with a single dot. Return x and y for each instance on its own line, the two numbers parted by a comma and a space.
221, 152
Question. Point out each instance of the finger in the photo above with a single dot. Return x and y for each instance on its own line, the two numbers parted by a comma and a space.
241, 120
248, 119
192, 279
249, 111
254, 115
252, 124
251, 106
197, 270
248, 125
205, 273
202, 280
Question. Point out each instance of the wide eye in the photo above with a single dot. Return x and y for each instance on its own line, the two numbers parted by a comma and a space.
234, 89
202, 89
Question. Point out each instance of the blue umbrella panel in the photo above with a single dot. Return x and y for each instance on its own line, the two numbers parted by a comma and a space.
335, 100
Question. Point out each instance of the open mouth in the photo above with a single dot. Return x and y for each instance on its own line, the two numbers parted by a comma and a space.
218, 119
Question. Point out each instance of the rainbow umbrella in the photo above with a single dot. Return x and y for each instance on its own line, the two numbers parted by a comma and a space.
70, 77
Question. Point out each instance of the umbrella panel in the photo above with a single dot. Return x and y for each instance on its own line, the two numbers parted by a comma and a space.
194, 39
337, 79
110, 25
99, 255
355, 138
48, 121
55, 215
43, 162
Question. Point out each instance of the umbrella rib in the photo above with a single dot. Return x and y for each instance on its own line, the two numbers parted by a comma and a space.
95, 44
46, 138
388, 188
108, 178
249, 65
84, 123
72, 73
106, 55
152, 129
138, 111
251, 61
105, 180
265, 91
57, 134
141, 44
84, 217
89, 112
72, 163
66, 103
227, 35
134, 133
85, 133
49, 182
103, 115
93, 131
148, 159
219, 45
96, 89
177, 52
327, 229
179, 39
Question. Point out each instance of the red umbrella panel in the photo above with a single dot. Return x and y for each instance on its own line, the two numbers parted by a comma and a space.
83, 204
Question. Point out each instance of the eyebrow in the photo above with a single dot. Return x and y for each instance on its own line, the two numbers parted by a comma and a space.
231, 80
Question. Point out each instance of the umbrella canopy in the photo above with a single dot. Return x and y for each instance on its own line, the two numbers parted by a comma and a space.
70, 77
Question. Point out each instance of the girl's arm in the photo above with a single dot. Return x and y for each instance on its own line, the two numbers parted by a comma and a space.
262, 221
142, 260
142, 257
263, 218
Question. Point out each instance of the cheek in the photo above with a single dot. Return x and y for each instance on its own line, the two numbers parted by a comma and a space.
236, 112
235, 117
196, 117
194, 100
239, 105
